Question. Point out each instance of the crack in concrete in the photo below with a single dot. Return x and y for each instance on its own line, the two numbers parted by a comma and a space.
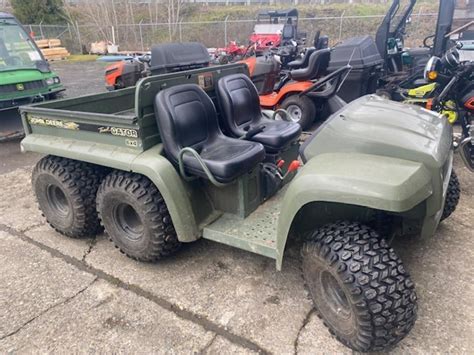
92, 244
305, 322
137, 290
65, 301
208, 345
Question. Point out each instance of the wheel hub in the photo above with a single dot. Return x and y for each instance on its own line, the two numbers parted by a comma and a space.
128, 220
335, 296
57, 200
294, 112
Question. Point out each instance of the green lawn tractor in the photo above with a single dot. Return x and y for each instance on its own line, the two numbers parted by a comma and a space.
190, 155
25, 76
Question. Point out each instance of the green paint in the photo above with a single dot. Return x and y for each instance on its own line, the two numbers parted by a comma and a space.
373, 155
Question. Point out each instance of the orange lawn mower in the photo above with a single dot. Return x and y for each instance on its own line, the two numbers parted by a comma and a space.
305, 92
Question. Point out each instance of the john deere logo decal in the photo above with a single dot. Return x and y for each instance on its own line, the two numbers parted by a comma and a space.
20, 87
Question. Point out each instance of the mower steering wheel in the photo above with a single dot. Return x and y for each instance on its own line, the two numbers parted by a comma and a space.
339, 74
316, 38
425, 41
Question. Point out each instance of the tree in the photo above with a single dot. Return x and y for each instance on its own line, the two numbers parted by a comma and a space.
37, 11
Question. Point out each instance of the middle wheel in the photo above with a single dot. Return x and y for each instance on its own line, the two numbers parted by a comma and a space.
135, 216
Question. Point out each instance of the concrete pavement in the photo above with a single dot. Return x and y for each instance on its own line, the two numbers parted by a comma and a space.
83, 295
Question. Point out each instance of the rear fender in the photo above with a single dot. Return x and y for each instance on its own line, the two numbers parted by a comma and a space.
274, 99
150, 163
352, 180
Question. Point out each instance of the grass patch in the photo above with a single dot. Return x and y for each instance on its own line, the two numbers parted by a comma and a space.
82, 58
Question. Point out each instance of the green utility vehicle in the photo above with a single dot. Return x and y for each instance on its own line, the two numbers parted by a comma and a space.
189, 155
25, 76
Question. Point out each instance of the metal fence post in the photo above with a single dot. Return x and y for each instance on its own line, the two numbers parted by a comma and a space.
141, 34
41, 29
225, 31
180, 31
340, 25
79, 37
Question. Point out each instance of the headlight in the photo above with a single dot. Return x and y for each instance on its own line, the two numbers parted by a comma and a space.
431, 69
52, 81
432, 75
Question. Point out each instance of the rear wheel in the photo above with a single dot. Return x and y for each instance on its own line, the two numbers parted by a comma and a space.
135, 216
359, 286
66, 191
300, 110
452, 196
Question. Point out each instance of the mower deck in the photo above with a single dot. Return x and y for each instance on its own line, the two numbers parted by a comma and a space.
257, 233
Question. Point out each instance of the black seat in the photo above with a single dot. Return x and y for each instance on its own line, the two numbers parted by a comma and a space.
287, 33
241, 114
303, 61
317, 64
187, 117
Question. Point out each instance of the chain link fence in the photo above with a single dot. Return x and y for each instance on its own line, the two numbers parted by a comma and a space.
141, 36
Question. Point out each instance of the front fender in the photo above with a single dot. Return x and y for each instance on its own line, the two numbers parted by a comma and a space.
372, 181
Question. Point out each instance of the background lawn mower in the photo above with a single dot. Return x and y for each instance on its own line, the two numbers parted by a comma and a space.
164, 58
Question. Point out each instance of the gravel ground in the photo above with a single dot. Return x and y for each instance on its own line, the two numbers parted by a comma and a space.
82, 295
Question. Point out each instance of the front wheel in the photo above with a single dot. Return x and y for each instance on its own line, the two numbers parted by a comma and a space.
452, 196
359, 286
300, 109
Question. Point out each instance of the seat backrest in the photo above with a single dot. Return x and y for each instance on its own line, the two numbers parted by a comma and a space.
186, 117
288, 32
317, 65
239, 102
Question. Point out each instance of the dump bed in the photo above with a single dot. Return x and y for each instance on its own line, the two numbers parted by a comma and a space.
96, 126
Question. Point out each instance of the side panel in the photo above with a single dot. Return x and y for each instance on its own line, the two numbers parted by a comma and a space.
150, 163
377, 182
273, 99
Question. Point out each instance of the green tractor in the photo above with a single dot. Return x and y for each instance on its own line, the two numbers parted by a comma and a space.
25, 76
190, 155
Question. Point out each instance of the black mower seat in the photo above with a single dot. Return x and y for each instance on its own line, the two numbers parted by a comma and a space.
317, 65
187, 117
241, 114
303, 61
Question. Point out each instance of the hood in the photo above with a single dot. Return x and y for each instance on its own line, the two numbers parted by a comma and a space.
373, 125
21, 76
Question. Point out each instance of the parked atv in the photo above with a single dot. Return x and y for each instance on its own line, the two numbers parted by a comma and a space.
303, 91
157, 170
164, 58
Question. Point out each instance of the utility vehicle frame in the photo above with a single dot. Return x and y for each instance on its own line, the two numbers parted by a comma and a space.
142, 161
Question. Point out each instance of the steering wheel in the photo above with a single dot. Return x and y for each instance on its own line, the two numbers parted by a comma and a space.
338, 74
425, 41
316, 38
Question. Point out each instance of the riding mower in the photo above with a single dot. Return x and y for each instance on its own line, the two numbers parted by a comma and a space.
164, 58
304, 91
275, 28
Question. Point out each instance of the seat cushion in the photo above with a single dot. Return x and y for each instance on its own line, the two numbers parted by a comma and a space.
277, 134
226, 158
